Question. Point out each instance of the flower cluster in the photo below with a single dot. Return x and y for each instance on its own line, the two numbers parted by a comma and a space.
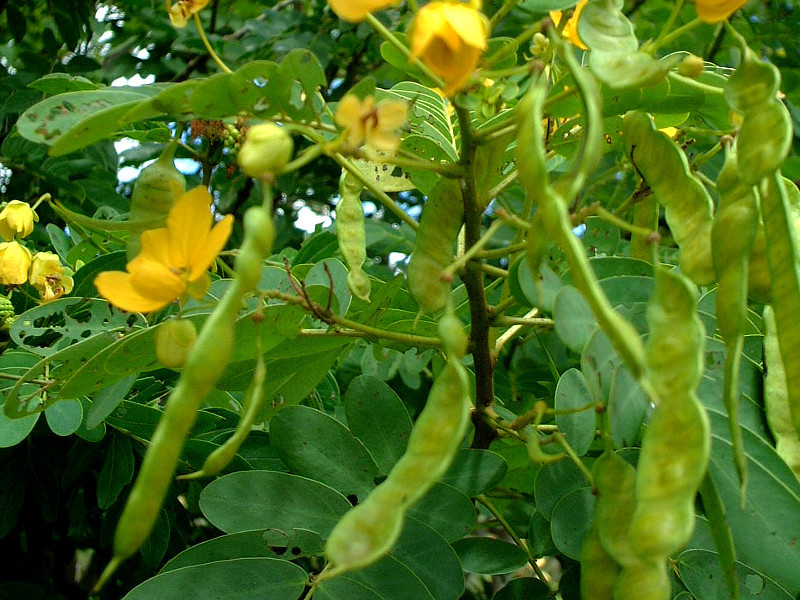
18, 265
174, 260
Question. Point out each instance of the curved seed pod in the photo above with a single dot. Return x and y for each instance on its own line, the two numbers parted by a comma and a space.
530, 154
688, 207
776, 398
598, 570
677, 443
370, 529
351, 234
204, 366
615, 481
765, 135
645, 581
737, 212
158, 186
441, 221
782, 257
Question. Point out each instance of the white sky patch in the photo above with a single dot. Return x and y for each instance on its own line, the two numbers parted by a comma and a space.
136, 80
307, 220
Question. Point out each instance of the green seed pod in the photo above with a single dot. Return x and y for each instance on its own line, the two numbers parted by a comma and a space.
267, 149
371, 528
688, 206
351, 234
441, 221
737, 212
776, 398
158, 186
691, 66
676, 444
615, 481
599, 571
174, 341
645, 581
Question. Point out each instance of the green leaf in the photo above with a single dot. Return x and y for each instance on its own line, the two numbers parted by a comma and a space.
447, 511
117, 471
249, 500
14, 430
315, 445
599, 360
553, 481
578, 425
377, 417
266, 543
700, 573
489, 556
765, 532
51, 118
571, 519
59, 83
523, 588
98, 126
474, 471
259, 87
64, 417
627, 407
303, 76
12, 498
48, 328
574, 319
525, 286
106, 401
253, 577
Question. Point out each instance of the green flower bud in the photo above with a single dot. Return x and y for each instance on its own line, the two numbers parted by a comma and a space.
266, 149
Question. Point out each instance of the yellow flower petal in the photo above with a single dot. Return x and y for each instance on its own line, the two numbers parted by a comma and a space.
155, 246
116, 287
188, 223
715, 11
213, 243
449, 38
157, 281
357, 10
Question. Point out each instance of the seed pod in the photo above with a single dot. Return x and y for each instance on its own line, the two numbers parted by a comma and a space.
441, 221
687, 204
174, 341
351, 234
158, 186
599, 571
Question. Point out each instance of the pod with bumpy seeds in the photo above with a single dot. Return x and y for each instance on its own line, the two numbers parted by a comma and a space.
737, 211
688, 206
677, 442
776, 398
204, 366
371, 528
351, 234
441, 221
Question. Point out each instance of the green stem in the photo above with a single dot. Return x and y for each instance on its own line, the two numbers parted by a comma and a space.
513, 534
462, 260
674, 35
207, 44
512, 46
501, 252
676, 9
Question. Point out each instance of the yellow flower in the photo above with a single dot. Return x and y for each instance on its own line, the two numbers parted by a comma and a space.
449, 38
357, 10
49, 278
570, 30
375, 125
15, 260
174, 261
17, 218
182, 10
716, 11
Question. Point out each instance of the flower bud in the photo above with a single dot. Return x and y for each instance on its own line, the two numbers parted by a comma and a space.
15, 260
17, 218
691, 66
174, 341
266, 149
